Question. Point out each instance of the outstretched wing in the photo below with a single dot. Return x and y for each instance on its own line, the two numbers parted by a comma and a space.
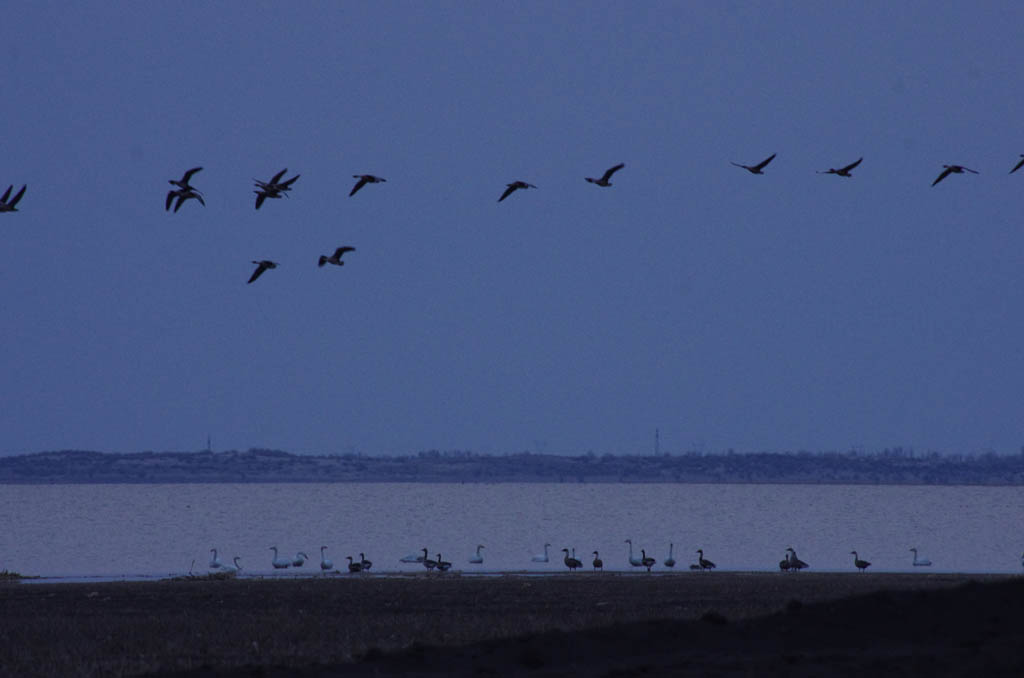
170, 199
16, 198
966, 169
359, 184
612, 170
851, 165
7, 193
199, 198
285, 185
764, 163
341, 250
277, 177
258, 272
260, 197
508, 192
1015, 168
945, 173
188, 174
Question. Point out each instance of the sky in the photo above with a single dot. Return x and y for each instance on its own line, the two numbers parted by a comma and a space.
788, 311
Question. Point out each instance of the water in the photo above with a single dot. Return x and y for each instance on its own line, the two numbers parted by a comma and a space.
142, 531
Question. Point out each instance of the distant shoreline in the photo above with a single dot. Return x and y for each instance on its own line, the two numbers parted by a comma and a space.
889, 467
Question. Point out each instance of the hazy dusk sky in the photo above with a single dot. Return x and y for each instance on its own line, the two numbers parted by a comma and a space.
789, 311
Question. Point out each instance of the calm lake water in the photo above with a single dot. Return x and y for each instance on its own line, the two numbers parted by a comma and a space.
141, 531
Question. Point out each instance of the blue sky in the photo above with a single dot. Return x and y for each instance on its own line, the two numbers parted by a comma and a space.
786, 311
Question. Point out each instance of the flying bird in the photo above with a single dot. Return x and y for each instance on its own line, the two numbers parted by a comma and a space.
182, 195
363, 180
336, 257
843, 171
183, 182
261, 266
11, 206
514, 186
756, 169
1018, 165
275, 188
604, 180
952, 169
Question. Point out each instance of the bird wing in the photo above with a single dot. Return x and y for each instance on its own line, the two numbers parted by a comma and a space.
341, 250
188, 174
761, 165
170, 199
359, 184
7, 193
508, 192
945, 173
258, 272
851, 165
966, 169
195, 194
260, 197
746, 167
181, 199
277, 177
612, 170
285, 185
1018, 165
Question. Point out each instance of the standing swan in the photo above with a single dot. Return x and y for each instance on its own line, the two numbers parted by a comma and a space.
541, 557
670, 561
232, 569
635, 562
920, 562
279, 563
325, 563
413, 558
215, 561
300, 559
861, 565
478, 558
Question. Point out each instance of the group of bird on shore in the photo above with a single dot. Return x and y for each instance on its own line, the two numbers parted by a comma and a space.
279, 187
790, 562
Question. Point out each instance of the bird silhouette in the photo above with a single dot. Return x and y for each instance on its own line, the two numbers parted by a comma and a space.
952, 169
363, 180
514, 186
603, 181
336, 257
1018, 165
756, 169
843, 171
11, 206
261, 266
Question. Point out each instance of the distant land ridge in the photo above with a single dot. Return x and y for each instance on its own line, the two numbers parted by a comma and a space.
889, 467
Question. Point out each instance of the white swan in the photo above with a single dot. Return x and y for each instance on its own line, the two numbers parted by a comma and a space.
478, 558
232, 569
215, 561
300, 559
635, 562
541, 557
920, 562
279, 563
670, 561
412, 558
325, 563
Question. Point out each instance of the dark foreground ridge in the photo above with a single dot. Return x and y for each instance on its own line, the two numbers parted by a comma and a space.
890, 466
726, 624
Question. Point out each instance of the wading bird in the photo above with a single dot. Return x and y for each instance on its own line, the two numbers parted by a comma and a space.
11, 205
261, 266
363, 180
861, 565
704, 563
604, 180
477, 558
756, 169
843, 171
920, 562
336, 257
514, 186
952, 169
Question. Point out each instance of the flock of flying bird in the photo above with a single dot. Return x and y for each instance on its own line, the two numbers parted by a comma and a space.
279, 187
789, 563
